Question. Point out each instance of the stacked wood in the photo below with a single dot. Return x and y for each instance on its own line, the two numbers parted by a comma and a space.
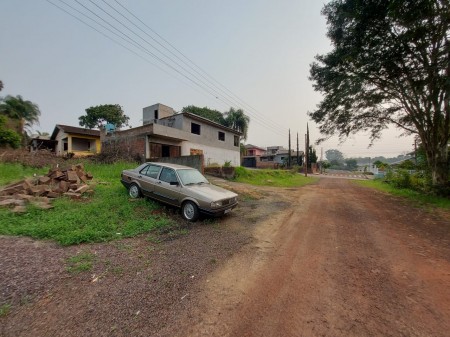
71, 182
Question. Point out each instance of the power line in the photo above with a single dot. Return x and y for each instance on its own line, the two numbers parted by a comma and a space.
208, 89
217, 93
192, 62
115, 41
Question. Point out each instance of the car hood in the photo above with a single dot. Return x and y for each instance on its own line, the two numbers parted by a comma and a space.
210, 192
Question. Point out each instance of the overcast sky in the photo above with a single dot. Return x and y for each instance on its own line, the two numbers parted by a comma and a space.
252, 54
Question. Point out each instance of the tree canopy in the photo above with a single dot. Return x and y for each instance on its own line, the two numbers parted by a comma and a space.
26, 113
333, 154
211, 114
97, 116
237, 120
390, 65
8, 137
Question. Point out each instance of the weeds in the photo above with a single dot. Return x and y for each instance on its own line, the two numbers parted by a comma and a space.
5, 309
276, 178
80, 263
107, 215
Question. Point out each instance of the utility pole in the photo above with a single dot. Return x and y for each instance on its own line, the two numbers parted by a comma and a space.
321, 160
298, 158
306, 150
289, 154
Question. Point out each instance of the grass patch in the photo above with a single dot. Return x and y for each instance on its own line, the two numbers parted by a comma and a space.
276, 178
10, 173
5, 309
105, 216
419, 198
80, 263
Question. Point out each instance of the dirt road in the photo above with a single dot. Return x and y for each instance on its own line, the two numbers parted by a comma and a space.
342, 261
329, 259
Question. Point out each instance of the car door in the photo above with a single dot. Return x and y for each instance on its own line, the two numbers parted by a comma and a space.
167, 187
148, 179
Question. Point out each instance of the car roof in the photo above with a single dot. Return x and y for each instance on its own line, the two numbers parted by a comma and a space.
174, 166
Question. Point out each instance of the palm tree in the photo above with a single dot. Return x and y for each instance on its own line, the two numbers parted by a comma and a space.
26, 112
237, 120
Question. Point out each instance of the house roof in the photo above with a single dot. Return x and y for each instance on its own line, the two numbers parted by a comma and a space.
250, 146
74, 130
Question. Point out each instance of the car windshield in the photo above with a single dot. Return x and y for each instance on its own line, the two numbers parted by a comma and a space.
192, 176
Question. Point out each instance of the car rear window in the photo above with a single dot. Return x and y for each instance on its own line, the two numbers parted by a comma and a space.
151, 171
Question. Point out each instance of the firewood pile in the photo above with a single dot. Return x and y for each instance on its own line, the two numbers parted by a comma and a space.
40, 191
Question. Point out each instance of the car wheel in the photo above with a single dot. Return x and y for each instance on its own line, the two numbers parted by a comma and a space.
189, 210
134, 191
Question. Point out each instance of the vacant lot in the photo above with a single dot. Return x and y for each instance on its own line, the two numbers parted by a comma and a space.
330, 259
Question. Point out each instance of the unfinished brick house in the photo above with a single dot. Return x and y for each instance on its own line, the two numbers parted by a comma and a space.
165, 133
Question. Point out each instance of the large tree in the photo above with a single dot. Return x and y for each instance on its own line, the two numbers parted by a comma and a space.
211, 114
25, 112
390, 65
237, 120
98, 116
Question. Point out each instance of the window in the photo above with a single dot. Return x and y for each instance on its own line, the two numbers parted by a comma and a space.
151, 171
195, 128
156, 114
222, 136
168, 175
236, 140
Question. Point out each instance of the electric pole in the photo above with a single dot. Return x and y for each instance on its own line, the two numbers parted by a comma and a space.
289, 154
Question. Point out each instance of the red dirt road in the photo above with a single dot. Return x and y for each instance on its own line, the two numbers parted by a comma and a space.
342, 261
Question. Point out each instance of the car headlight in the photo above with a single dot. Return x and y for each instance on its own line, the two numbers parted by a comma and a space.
216, 204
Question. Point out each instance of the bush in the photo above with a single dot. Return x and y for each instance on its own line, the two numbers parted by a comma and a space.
9, 138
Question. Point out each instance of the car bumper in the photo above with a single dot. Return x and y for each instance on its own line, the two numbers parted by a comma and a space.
218, 211
125, 183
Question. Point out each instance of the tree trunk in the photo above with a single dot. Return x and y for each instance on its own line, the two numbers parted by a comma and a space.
439, 165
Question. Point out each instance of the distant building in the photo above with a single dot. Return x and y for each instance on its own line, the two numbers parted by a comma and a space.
79, 141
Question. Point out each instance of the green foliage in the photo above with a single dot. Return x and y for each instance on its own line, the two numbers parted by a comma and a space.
277, 178
80, 262
312, 156
10, 173
399, 178
234, 119
326, 164
417, 197
351, 164
108, 215
334, 155
211, 114
227, 163
26, 112
97, 116
407, 165
237, 120
389, 66
8, 137
5, 309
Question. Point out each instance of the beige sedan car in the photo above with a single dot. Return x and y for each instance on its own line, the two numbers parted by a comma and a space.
180, 186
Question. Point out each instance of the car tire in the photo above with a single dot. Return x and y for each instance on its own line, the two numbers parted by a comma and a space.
134, 191
189, 211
